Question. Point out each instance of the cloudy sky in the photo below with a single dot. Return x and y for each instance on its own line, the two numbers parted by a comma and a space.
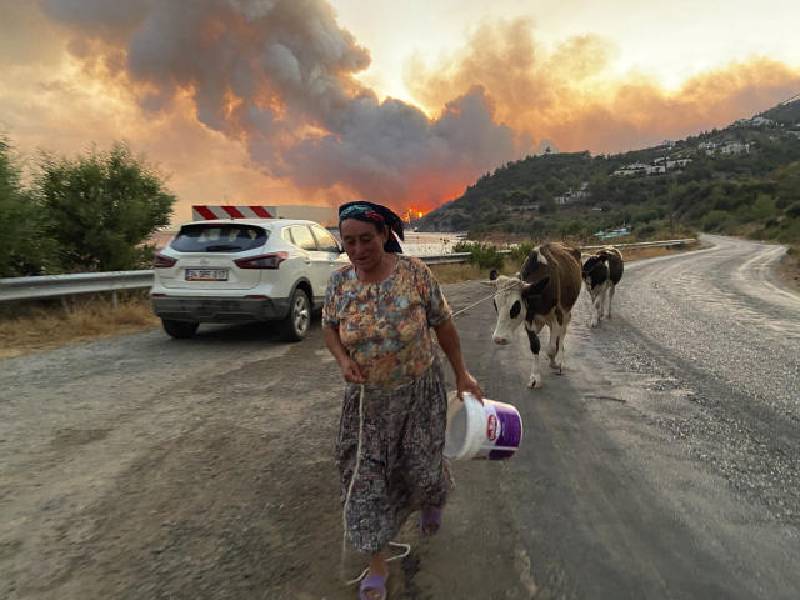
313, 101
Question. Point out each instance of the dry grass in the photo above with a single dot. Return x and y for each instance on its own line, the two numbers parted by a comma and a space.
457, 273
45, 328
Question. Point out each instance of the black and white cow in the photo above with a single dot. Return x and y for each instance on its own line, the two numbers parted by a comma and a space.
544, 294
601, 273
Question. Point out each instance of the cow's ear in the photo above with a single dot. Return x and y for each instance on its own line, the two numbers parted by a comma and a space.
535, 289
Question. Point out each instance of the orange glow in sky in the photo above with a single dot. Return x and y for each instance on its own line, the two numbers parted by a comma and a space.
576, 74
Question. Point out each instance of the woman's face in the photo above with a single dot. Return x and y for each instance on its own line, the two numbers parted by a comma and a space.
363, 243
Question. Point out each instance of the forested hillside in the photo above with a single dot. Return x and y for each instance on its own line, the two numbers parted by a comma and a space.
744, 179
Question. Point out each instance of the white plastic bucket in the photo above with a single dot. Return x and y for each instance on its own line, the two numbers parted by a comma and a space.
492, 431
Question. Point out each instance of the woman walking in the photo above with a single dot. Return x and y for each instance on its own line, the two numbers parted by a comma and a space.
377, 318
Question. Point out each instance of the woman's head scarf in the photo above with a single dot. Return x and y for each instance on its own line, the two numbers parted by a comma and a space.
361, 210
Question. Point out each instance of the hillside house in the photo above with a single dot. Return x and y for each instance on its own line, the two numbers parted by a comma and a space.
734, 148
708, 147
760, 121
631, 169
573, 195
523, 208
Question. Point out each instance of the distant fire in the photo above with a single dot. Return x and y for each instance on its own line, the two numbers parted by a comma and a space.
412, 214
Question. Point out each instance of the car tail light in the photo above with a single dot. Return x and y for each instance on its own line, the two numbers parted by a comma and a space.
265, 261
160, 261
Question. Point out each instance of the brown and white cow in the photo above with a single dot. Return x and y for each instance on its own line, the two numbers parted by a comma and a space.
602, 272
544, 294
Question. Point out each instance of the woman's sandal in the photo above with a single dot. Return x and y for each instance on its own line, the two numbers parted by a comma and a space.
373, 587
430, 520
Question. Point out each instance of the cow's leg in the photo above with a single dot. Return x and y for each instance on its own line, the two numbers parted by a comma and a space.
597, 298
560, 343
555, 323
554, 347
611, 289
533, 329
601, 310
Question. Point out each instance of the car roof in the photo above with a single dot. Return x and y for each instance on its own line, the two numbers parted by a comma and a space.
257, 222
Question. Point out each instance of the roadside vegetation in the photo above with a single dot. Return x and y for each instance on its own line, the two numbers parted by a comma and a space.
45, 325
92, 212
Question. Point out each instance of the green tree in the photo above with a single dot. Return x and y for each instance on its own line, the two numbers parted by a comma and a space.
24, 248
102, 207
788, 186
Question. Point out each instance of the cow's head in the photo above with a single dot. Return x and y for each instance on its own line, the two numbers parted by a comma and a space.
511, 298
595, 270
535, 266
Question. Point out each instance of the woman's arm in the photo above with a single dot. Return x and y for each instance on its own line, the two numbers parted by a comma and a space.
350, 370
448, 339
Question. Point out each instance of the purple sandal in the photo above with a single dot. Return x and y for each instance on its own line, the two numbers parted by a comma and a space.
430, 520
375, 584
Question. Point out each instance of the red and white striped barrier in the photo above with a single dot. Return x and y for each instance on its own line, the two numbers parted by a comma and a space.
205, 212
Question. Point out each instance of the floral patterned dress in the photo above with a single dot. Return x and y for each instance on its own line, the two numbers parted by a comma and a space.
385, 328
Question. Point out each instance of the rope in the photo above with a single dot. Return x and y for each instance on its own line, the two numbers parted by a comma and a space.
406, 547
489, 297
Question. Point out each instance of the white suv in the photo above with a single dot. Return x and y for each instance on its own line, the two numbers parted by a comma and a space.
229, 271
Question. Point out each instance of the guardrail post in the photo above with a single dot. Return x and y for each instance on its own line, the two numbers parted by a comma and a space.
114, 299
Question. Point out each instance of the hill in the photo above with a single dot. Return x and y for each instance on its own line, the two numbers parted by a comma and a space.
742, 179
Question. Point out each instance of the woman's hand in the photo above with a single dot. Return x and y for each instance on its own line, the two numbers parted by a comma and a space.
465, 382
351, 371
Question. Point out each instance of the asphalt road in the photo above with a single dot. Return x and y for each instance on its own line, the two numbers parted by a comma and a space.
664, 463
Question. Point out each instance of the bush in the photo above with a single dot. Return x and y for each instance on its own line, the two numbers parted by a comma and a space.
793, 210
520, 253
716, 220
483, 255
101, 207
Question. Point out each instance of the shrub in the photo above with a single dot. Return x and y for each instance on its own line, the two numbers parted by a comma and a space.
483, 255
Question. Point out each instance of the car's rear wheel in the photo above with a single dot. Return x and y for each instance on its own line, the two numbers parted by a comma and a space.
298, 320
180, 330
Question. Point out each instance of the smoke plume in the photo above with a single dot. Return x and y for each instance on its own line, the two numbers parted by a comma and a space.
279, 76
567, 94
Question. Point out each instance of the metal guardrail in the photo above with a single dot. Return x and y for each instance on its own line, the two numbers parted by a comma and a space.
656, 244
61, 286
54, 286
452, 258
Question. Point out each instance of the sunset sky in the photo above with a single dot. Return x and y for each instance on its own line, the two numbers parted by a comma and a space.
307, 101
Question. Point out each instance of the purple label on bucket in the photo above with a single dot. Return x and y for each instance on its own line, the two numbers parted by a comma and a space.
510, 426
503, 432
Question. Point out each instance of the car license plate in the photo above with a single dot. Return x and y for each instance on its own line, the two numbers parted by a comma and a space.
206, 274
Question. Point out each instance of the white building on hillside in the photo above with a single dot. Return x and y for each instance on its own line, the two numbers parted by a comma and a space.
761, 121
708, 147
573, 195
732, 148
632, 169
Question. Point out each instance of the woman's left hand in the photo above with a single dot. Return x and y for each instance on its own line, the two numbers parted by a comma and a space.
465, 382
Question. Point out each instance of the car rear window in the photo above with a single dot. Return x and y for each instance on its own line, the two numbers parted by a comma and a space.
219, 238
